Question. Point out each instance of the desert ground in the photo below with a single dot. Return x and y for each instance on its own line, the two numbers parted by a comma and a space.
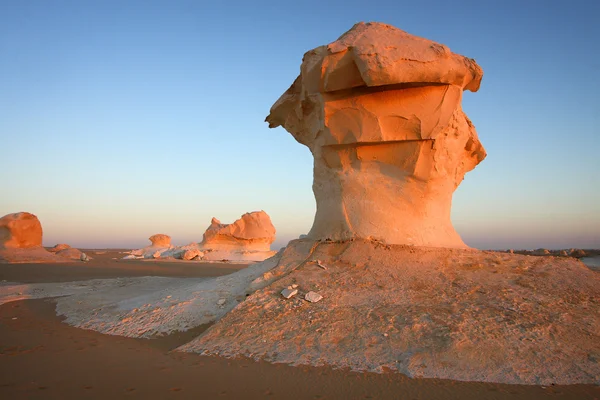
43, 358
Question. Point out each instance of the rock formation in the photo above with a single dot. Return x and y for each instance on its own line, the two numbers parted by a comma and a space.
380, 110
71, 253
253, 231
160, 240
21, 241
192, 254
247, 239
20, 231
59, 247
159, 244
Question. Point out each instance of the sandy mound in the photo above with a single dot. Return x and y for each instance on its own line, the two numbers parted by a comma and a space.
454, 314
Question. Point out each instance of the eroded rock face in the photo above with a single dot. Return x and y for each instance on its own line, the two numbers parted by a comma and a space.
380, 111
253, 231
20, 231
160, 240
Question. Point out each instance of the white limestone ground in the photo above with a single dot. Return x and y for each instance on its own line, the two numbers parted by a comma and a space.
425, 312
148, 306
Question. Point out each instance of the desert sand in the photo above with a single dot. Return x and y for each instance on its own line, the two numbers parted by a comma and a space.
44, 358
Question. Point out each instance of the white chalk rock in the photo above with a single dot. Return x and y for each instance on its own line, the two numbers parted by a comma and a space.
192, 254
313, 297
289, 293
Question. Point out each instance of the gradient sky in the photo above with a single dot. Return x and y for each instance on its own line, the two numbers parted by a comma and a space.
121, 119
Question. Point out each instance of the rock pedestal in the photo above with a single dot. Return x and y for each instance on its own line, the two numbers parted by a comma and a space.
380, 111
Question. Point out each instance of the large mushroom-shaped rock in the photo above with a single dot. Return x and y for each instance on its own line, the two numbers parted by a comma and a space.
20, 231
160, 240
380, 110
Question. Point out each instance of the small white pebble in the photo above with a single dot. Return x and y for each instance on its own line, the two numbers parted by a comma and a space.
288, 293
313, 297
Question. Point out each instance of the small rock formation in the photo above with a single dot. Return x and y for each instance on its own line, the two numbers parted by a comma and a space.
160, 244
191, 254
380, 111
247, 239
20, 231
59, 247
577, 253
541, 252
160, 240
70, 253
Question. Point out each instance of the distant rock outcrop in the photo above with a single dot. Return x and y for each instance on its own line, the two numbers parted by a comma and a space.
577, 253
247, 239
20, 230
21, 241
160, 240
59, 247
70, 253
159, 244
253, 231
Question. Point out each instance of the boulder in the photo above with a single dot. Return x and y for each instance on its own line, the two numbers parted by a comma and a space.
70, 253
380, 110
191, 254
20, 231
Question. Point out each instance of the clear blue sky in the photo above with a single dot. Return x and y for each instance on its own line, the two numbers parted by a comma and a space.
121, 119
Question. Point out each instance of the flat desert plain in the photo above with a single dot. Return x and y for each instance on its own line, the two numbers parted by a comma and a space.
43, 358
